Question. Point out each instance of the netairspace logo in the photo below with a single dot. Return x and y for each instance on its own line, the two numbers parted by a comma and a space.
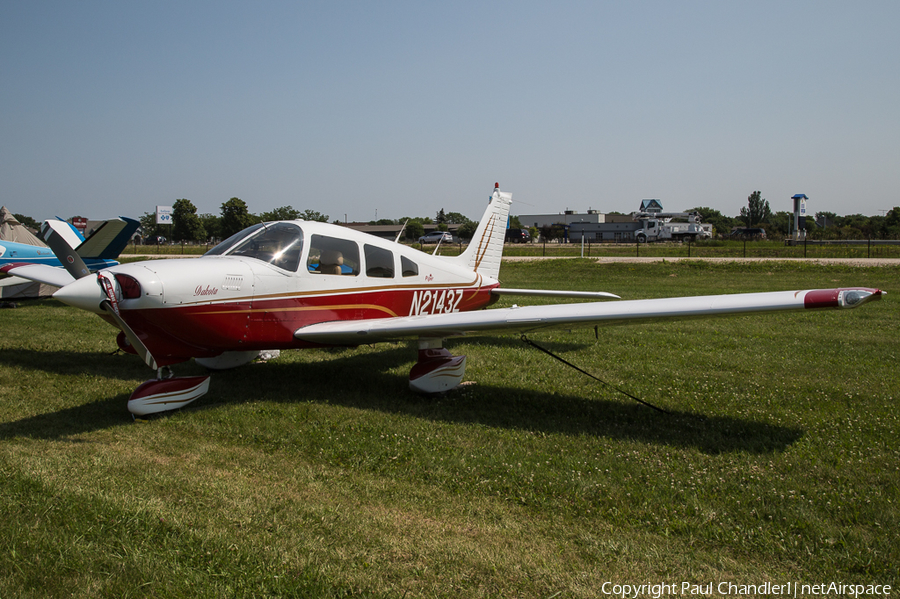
724, 589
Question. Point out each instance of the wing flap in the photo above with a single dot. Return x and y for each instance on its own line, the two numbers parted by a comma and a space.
529, 318
554, 293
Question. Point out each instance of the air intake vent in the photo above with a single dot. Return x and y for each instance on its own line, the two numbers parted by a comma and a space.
232, 282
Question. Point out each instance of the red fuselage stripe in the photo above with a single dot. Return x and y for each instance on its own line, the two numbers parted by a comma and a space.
177, 333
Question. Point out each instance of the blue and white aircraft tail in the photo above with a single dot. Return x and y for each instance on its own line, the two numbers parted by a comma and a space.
99, 250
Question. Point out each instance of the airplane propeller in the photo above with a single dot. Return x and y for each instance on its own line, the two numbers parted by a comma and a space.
69, 258
166, 392
76, 267
111, 306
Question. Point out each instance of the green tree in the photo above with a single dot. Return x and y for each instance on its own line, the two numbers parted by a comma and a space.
441, 218
283, 213
467, 230
456, 218
826, 219
891, 227
212, 224
186, 225
414, 230
149, 226
757, 210
869, 227
235, 217
314, 215
780, 223
721, 224
551, 232
27, 221
872, 226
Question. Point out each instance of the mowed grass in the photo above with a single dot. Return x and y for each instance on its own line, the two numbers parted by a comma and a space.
320, 474
860, 249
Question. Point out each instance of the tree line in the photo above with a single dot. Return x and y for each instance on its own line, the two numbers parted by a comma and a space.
188, 226
825, 225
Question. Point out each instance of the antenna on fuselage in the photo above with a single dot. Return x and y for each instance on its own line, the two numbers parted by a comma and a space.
440, 241
403, 228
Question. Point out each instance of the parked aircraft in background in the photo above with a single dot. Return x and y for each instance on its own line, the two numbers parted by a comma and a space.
99, 250
300, 284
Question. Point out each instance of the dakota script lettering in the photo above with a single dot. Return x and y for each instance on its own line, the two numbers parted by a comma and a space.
200, 290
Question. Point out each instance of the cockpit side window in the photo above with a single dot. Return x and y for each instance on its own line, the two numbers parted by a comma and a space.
379, 262
332, 256
278, 244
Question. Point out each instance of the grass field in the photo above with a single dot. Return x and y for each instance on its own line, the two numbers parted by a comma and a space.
705, 249
320, 475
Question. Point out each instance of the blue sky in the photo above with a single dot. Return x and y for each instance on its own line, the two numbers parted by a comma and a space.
404, 108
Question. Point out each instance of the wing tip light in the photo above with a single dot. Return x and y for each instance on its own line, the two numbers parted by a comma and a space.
841, 298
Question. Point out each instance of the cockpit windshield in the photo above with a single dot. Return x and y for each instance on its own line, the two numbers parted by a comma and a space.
278, 244
223, 247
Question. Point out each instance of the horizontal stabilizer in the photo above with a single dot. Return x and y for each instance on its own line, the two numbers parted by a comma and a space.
109, 239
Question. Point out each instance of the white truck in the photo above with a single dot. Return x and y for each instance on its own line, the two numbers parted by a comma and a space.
658, 226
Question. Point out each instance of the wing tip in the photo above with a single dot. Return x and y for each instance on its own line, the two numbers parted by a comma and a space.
849, 297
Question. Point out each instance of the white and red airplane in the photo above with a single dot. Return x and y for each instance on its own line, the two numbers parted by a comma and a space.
299, 284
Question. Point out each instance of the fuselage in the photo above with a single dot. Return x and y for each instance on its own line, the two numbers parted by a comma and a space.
12, 252
253, 291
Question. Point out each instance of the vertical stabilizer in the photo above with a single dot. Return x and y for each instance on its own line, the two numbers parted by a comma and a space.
65, 230
486, 248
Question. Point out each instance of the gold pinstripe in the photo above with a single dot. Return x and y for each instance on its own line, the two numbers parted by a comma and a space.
305, 309
484, 245
474, 284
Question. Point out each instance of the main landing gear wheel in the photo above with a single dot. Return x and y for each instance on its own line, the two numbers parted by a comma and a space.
437, 370
163, 394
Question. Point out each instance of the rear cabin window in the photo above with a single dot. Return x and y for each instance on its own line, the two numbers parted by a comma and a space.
379, 262
332, 256
410, 268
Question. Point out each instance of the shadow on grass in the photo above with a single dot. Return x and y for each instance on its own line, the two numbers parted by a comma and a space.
112, 365
97, 415
105, 412
362, 381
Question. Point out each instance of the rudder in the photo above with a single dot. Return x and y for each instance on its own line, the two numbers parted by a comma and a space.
485, 251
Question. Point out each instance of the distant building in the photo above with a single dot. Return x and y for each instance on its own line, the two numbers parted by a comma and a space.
621, 231
563, 218
594, 225
651, 206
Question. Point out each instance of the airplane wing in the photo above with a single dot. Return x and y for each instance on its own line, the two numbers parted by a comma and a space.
41, 273
531, 318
